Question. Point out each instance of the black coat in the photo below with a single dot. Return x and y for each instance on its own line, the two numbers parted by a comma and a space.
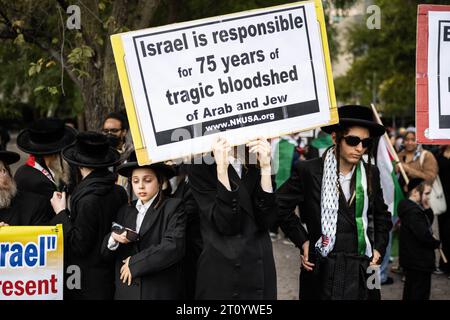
444, 218
27, 209
194, 243
94, 204
237, 259
416, 244
156, 258
32, 180
303, 189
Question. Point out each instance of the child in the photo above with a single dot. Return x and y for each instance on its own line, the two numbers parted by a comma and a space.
149, 243
417, 243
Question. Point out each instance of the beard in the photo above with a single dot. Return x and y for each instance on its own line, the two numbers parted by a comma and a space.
61, 172
8, 190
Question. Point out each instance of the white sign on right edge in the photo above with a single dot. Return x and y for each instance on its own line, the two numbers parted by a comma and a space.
439, 74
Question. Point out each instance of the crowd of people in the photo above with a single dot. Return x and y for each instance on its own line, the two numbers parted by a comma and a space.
202, 231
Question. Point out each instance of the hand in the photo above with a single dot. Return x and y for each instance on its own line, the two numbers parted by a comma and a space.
58, 201
375, 258
222, 150
406, 168
261, 147
3, 224
121, 238
304, 258
125, 273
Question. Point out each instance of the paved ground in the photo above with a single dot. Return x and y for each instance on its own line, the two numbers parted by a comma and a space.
287, 264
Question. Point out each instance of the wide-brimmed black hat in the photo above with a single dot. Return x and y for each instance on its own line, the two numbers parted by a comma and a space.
91, 150
46, 136
9, 157
127, 168
355, 115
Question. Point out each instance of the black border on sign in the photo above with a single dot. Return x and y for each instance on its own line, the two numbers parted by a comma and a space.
444, 120
161, 136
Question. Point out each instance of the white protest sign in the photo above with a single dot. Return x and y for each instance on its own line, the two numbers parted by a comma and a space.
439, 74
257, 73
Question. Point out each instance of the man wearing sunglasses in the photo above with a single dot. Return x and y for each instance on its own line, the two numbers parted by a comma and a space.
342, 206
115, 127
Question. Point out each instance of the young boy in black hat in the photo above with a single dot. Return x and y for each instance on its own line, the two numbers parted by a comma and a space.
341, 202
148, 240
93, 206
417, 244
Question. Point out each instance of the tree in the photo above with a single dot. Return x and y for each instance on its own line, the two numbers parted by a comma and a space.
84, 55
76, 67
383, 68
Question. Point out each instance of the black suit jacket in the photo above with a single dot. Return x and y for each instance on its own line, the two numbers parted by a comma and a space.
303, 189
194, 243
237, 259
417, 244
156, 258
32, 180
85, 227
27, 209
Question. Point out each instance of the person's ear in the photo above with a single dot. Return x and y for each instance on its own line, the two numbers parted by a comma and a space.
333, 137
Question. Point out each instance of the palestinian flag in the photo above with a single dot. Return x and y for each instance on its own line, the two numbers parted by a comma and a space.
392, 192
283, 157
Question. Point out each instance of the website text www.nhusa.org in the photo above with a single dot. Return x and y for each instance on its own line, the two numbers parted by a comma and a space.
240, 121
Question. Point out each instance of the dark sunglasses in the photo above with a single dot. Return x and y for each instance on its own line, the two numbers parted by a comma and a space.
354, 141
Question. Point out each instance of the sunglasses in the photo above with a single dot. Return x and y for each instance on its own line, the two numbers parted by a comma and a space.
353, 141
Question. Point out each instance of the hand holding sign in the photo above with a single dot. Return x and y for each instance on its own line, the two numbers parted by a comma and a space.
262, 149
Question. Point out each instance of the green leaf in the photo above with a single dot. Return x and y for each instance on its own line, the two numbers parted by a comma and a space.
99, 40
19, 40
52, 90
32, 70
50, 63
39, 88
87, 51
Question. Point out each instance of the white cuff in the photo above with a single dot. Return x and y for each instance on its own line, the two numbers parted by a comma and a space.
112, 244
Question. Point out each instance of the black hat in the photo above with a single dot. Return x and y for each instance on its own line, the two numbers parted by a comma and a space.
46, 136
92, 150
355, 115
9, 157
127, 168
413, 183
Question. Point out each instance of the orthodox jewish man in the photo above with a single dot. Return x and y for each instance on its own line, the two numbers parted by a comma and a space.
341, 203
45, 171
93, 206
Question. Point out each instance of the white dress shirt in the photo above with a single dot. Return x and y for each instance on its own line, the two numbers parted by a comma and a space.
142, 209
345, 181
237, 165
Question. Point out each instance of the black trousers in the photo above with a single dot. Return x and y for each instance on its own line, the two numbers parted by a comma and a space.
417, 285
